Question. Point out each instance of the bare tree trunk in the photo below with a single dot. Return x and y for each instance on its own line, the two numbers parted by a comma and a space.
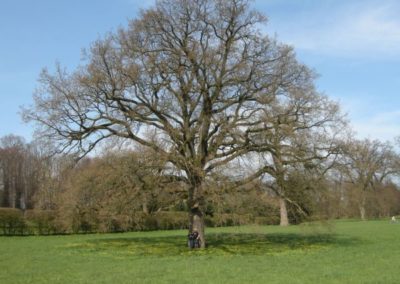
196, 213
362, 207
6, 194
362, 212
144, 206
12, 193
280, 180
196, 218
284, 215
22, 202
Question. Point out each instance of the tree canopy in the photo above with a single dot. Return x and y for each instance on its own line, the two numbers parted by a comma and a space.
192, 80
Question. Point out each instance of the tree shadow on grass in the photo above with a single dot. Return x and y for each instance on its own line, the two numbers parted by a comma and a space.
217, 244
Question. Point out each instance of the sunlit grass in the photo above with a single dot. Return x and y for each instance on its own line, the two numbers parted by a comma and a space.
340, 252
219, 244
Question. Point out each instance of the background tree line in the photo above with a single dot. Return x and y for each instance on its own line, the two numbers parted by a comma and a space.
131, 189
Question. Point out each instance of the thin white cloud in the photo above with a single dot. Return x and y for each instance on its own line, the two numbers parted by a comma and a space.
382, 126
141, 3
369, 116
362, 28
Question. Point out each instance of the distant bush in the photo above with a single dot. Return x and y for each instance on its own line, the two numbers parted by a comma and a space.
229, 219
86, 221
270, 220
116, 223
47, 222
12, 222
42, 222
171, 220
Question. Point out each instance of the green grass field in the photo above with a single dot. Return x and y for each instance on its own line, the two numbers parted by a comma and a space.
337, 252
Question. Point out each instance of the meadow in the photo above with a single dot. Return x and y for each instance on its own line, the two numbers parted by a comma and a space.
333, 252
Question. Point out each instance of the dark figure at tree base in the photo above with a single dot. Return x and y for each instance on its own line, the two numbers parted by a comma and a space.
194, 239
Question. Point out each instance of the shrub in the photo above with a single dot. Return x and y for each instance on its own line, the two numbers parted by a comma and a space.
42, 222
270, 220
170, 220
229, 219
114, 223
163, 220
12, 222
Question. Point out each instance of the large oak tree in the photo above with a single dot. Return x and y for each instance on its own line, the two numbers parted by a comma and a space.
189, 79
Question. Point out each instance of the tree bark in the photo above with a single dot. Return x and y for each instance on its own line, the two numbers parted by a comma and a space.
12, 193
284, 214
196, 218
6, 194
196, 212
362, 212
362, 207
144, 206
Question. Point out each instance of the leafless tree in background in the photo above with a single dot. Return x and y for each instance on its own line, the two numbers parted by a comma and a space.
367, 164
20, 172
11, 157
302, 129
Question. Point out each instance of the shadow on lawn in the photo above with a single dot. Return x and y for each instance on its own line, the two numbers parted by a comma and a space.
218, 244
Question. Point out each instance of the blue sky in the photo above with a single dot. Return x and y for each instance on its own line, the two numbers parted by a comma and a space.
353, 44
